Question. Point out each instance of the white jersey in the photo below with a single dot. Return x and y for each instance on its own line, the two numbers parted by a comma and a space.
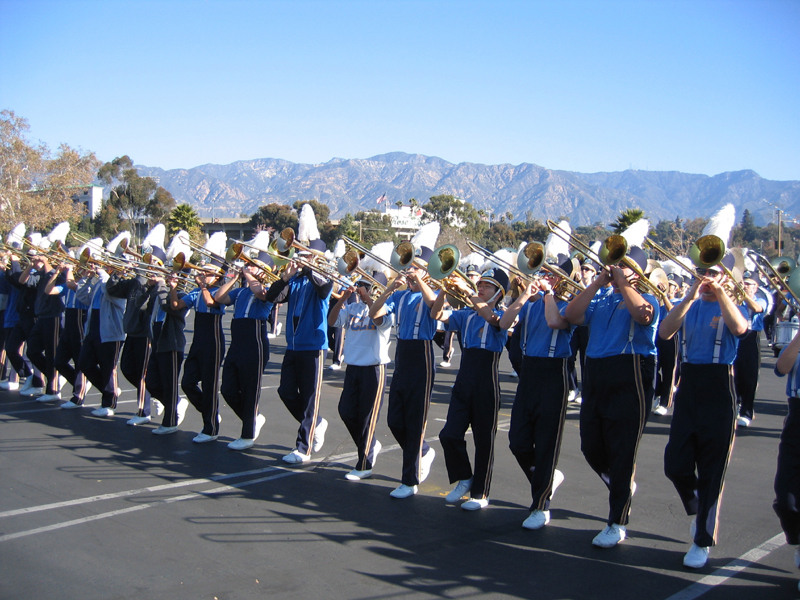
365, 343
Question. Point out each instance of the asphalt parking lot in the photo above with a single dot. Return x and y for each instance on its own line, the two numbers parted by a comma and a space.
92, 508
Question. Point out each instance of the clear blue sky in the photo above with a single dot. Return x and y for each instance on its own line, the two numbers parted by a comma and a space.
695, 86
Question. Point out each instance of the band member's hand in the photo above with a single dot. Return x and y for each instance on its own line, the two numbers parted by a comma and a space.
399, 282
200, 279
172, 281
604, 276
291, 270
544, 285
346, 293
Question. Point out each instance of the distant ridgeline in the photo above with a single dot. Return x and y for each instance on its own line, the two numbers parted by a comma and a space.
526, 190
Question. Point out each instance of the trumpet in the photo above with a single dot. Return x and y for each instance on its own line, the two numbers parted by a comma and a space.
613, 251
443, 266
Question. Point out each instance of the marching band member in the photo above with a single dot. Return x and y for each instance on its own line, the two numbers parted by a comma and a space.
618, 385
308, 295
69, 343
475, 400
140, 293
410, 392
103, 337
667, 350
787, 477
366, 352
202, 366
747, 365
540, 404
580, 335
704, 417
244, 362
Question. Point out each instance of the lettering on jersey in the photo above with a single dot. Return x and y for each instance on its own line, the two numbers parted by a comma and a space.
715, 322
361, 324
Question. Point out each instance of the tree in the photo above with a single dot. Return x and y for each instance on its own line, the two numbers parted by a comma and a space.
37, 186
185, 217
628, 217
107, 223
399, 204
274, 217
375, 227
135, 198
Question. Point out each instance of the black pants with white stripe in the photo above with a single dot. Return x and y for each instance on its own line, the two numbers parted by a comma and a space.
667, 369
69, 349
700, 443
537, 423
409, 400
162, 383
133, 364
787, 478
241, 372
202, 367
617, 395
42, 344
301, 383
360, 408
98, 361
746, 369
474, 403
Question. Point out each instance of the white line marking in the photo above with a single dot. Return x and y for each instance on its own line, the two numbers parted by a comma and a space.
114, 513
722, 574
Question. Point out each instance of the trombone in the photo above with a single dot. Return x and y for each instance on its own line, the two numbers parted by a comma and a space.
237, 252
443, 265
613, 251
286, 242
775, 279
348, 266
179, 263
707, 252
363, 250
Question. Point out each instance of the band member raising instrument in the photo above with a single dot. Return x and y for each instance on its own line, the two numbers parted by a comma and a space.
618, 385
748, 356
475, 400
704, 416
540, 404
244, 362
366, 352
412, 381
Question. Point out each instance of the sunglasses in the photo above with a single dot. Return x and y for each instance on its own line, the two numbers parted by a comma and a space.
587, 269
708, 272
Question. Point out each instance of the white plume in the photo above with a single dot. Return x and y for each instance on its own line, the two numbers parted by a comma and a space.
307, 225
504, 255
554, 245
95, 245
35, 239
382, 250
636, 232
59, 233
16, 235
670, 268
595, 247
155, 238
261, 241
749, 263
474, 258
113, 244
685, 260
179, 243
339, 249
721, 223
426, 236
216, 244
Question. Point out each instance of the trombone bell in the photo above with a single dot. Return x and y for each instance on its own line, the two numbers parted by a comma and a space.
707, 251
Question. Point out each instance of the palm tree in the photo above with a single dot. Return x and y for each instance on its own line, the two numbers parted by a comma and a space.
628, 217
184, 217
399, 204
510, 216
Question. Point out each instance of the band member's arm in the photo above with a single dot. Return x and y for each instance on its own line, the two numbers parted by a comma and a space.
175, 304
222, 293
202, 283
753, 304
575, 312
733, 317
69, 280
322, 285
437, 310
640, 309
378, 309
428, 296
25, 275
511, 313
278, 292
51, 289
254, 284
788, 356
674, 319
334, 312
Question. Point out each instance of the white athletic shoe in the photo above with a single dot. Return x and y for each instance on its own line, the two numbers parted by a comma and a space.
475, 504
161, 430
241, 444
11, 386
103, 412
355, 475
319, 435
660, 410
62, 381
461, 489
696, 557
425, 464
335, 367
69, 404
260, 420
295, 457
572, 395
610, 536
743, 422
159, 406
137, 421
444, 363
183, 404
202, 438
403, 491
537, 519
49, 397
27, 385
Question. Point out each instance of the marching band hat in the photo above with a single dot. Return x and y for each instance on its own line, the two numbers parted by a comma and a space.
638, 256
497, 277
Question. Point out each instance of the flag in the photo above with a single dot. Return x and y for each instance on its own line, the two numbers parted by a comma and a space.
381, 199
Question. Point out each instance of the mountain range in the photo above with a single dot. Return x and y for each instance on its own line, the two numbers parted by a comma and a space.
351, 185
